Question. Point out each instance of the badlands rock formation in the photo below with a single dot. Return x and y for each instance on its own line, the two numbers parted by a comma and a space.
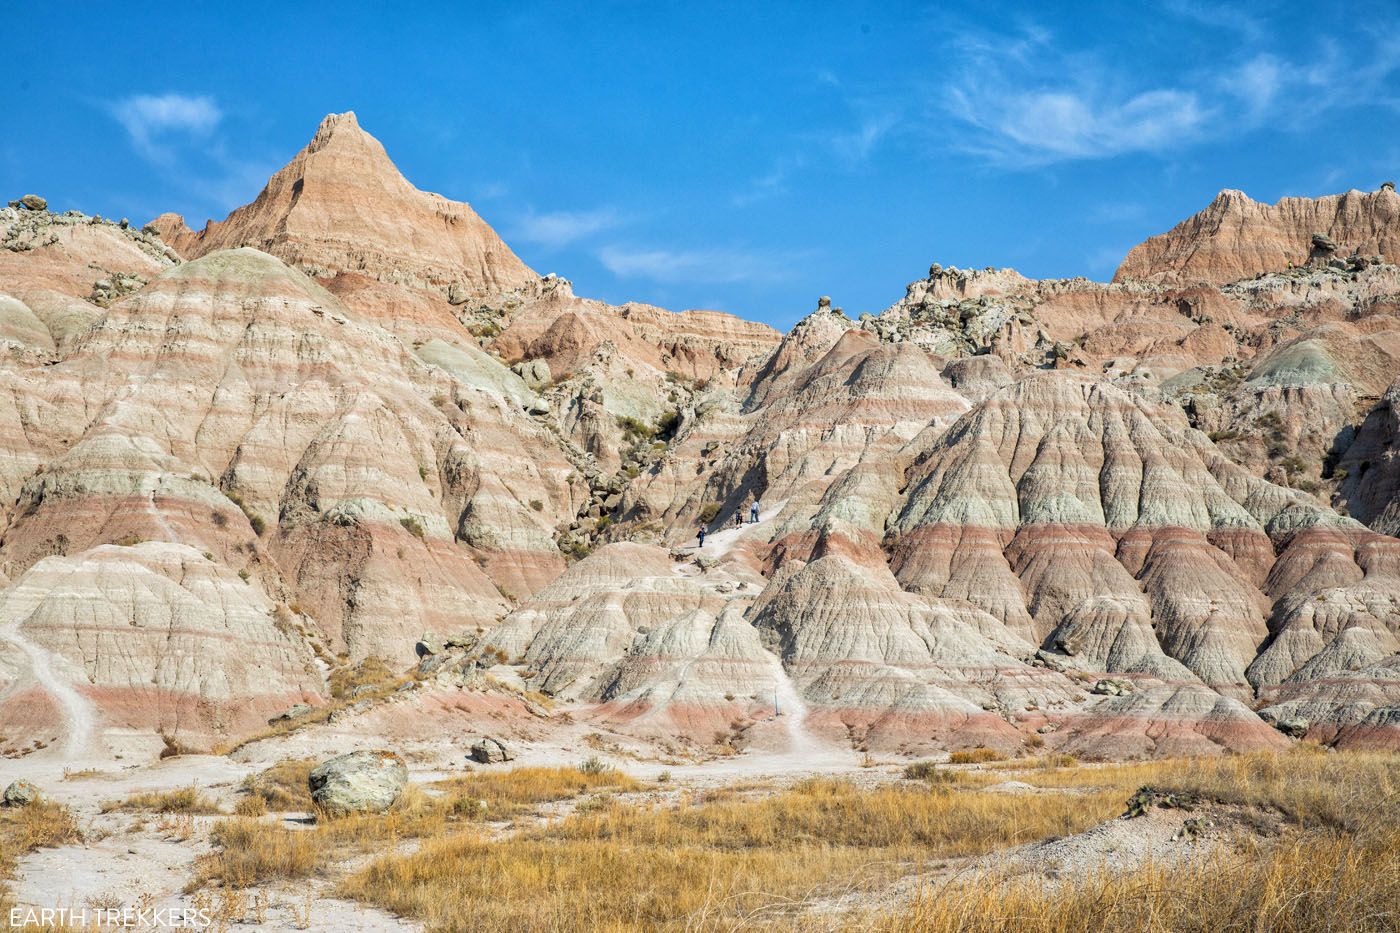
340, 206
1140, 518
1237, 238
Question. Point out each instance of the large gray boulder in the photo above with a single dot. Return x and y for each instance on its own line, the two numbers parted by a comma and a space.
431, 643
1294, 726
489, 751
295, 711
1112, 687
535, 373
20, 794
360, 782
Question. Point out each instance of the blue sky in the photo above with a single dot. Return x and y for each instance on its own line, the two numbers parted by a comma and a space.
746, 157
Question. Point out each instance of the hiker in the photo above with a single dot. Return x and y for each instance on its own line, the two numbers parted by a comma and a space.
753, 512
701, 534
738, 519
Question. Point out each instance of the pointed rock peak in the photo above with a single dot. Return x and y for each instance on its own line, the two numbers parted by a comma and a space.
335, 121
342, 129
342, 206
174, 232
1231, 197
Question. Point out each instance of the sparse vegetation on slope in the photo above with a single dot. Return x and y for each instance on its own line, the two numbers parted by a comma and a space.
710, 860
180, 800
1336, 866
39, 825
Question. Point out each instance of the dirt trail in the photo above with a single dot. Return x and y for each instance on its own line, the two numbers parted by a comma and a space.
160, 521
79, 714
719, 543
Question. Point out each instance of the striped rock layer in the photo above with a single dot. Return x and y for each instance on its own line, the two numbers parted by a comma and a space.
1148, 517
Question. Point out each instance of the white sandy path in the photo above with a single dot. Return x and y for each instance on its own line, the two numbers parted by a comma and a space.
79, 713
805, 752
80, 717
160, 518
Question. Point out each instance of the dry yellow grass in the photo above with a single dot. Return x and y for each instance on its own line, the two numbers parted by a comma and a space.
250, 851
23, 829
507, 792
251, 805
715, 859
938, 820
372, 674
282, 787
1337, 866
180, 800
974, 756
725, 859
1308, 882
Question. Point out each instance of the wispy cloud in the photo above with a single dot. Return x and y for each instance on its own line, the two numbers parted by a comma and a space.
151, 120
554, 229
694, 265
1029, 102
772, 182
1031, 99
184, 137
1257, 84
859, 144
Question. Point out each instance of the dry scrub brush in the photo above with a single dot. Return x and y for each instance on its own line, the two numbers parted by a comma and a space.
713, 857
1335, 867
181, 800
42, 824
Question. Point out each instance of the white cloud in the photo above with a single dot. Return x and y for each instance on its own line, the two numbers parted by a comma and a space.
1031, 99
771, 183
560, 228
857, 146
1028, 102
1257, 83
697, 265
1068, 124
151, 119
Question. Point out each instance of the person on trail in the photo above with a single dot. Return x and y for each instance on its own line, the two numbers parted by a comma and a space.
738, 519
753, 512
701, 535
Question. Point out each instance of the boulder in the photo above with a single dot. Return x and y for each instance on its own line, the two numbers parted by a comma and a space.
430, 643
1294, 727
1112, 687
354, 709
32, 202
489, 751
1323, 243
536, 372
432, 663
20, 794
295, 711
360, 782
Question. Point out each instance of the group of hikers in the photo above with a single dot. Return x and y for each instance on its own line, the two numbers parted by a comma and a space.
738, 521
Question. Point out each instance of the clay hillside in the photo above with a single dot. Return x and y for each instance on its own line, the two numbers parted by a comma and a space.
344, 459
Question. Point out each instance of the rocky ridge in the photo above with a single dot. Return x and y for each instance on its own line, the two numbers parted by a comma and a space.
1109, 519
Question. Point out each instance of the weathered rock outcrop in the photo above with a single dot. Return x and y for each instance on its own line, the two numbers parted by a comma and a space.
340, 206
1236, 237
